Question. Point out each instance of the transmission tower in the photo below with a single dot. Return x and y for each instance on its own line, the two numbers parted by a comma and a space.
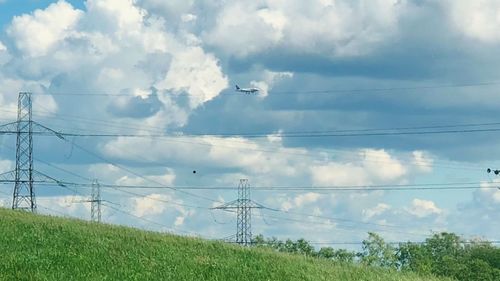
95, 202
24, 176
243, 206
24, 195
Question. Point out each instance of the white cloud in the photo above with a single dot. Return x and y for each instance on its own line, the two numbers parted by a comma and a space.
37, 33
306, 198
112, 38
166, 179
150, 205
119, 16
375, 211
188, 17
423, 208
376, 166
488, 196
179, 221
422, 161
196, 73
70, 205
335, 28
336, 174
6, 166
476, 19
269, 78
257, 158
249, 28
170, 9
4, 54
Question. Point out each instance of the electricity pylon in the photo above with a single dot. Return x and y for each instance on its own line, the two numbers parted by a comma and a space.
95, 202
24, 195
24, 175
243, 206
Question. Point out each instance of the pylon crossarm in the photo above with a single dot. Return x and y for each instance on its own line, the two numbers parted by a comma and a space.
41, 177
43, 129
37, 129
255, 205
8, 176
9, 128
228, 205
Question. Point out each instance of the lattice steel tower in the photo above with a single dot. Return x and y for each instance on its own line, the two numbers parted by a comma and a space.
244, 214
24, 195
243, 206
95, 202
24, 176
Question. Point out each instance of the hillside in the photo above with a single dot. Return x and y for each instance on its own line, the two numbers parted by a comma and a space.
35, 247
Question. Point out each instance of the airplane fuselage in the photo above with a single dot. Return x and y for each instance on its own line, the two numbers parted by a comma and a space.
246, 90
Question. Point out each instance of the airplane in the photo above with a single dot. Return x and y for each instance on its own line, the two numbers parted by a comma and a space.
246, 90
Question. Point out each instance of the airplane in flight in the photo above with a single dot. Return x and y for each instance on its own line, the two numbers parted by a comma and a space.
246, 90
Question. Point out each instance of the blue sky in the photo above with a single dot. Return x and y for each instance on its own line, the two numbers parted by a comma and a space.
163, 67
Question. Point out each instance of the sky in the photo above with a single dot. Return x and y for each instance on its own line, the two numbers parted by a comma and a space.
345, 69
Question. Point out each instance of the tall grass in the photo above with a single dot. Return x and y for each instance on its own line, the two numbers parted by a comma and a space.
34, 247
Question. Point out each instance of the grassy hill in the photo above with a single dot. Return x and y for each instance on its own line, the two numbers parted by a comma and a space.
34, 247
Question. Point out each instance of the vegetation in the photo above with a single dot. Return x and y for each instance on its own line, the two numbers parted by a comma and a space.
37, 247
444, 254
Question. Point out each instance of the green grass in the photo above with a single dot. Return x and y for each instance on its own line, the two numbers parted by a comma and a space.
34, 247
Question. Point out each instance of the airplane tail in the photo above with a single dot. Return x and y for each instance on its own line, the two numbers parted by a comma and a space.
237, 87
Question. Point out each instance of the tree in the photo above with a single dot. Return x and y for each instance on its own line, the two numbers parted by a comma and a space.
326, 253
377, 253
414, 257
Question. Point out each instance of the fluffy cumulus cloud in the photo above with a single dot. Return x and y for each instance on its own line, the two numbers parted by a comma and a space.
422, 161
36, 34
423, 208
376, 166
150, 205
335, 28
488, 196
166, 64
202, 84
252, 157
155, 205
300, 201
67, 205
376, 211
477, 19
269, 78
116, 47
6, 166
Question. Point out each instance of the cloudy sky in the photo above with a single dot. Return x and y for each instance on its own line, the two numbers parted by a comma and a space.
345, 69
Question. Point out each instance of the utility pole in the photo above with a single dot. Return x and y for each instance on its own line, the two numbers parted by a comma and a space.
243, 206
24, 175
244, 214
24, 194
95, 202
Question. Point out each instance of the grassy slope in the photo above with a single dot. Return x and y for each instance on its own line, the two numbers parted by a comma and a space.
49, 248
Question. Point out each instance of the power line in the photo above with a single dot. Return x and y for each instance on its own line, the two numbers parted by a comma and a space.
158, 199
350, 227
388, 187
390, 89
395, 242
291, 133
154, 222
342, 220
175, 139
283, 135
139, 175
89, 93
280, 151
